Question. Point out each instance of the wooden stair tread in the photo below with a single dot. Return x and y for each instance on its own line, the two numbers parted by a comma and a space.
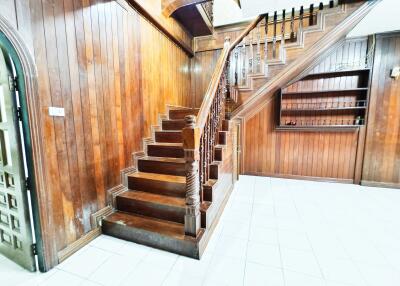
163, 227
167, 144
159, 177
164, 159
154, 198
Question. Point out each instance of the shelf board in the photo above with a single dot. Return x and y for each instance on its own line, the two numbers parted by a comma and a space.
333, 92
336, 73
324, 109
317, 128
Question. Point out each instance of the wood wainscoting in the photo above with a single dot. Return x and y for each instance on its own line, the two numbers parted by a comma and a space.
113, 72
319, 154
382, 148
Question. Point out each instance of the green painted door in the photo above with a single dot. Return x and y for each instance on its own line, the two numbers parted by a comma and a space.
16, 241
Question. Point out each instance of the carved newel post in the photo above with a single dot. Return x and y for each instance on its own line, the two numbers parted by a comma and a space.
191, 142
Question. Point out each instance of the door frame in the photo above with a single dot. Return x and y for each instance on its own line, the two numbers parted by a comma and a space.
27, 82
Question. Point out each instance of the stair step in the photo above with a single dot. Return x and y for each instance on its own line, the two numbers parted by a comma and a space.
218, 152
152, 205
162, 184
173, 124
181, 113
162, 165
159, 149
168, 136
153, 232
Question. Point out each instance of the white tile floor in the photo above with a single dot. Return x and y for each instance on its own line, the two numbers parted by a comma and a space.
273, 232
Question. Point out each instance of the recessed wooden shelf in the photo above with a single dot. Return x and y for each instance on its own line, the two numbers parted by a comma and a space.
310, 105
333, 92
328, 74
315, 128
324, 109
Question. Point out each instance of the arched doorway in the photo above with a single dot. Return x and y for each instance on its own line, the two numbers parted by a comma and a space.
19, 180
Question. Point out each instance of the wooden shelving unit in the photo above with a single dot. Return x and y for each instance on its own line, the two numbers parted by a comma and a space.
327, 100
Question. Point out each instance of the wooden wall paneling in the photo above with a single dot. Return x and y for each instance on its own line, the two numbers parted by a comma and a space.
319, 154
113, 72
382, 151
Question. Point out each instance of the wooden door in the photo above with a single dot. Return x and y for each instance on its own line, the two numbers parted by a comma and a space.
16, 239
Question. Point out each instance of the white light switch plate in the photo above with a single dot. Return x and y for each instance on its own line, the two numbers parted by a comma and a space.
56, 111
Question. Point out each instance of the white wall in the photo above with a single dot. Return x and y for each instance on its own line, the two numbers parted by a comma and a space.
384, 17
228, 12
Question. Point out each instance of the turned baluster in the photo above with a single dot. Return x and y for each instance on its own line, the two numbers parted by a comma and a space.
244, 61
292, 26
274, 36
191, 138
236, 76
266, 45
311, 18
282, 52
251, 53
258, 53
300, 29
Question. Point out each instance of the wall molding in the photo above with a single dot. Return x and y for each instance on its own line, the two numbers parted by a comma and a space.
159, 24
380, 184
299, 177
78, 244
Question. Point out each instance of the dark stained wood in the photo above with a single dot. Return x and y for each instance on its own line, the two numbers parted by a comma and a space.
324, 153
113, 72
153, 232
194, 19
382, 147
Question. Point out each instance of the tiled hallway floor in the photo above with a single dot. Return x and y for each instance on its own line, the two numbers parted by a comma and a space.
273, 232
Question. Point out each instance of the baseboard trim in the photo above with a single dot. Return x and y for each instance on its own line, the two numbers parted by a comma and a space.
298, 177
380, 184
96, 218
78, 244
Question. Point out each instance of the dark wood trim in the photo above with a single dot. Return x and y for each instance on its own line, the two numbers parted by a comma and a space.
380, 184
160, 26
170, 6
297, 177
78, 244
362, 136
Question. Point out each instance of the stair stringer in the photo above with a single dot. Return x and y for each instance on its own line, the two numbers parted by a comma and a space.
298, 44
309, 58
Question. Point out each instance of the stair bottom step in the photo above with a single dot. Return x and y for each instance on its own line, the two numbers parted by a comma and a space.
152, 232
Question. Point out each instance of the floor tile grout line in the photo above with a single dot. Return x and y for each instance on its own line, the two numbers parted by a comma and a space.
248, 234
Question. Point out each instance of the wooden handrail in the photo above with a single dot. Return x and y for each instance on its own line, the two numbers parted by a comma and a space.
213, 86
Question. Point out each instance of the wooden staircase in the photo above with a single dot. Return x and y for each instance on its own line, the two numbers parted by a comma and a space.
180, 182
294, 59
152, 209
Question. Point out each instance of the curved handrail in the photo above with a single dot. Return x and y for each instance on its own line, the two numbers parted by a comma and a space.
215, 79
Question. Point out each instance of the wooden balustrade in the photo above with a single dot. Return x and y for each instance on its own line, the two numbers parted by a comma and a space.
237, 60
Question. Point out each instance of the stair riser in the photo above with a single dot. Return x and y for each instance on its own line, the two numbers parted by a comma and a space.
181, 113
150, 209
173, 124
222, 137
168, 137
163, 151
157, 187
218, 154
188, 247
168, 168
214, 171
